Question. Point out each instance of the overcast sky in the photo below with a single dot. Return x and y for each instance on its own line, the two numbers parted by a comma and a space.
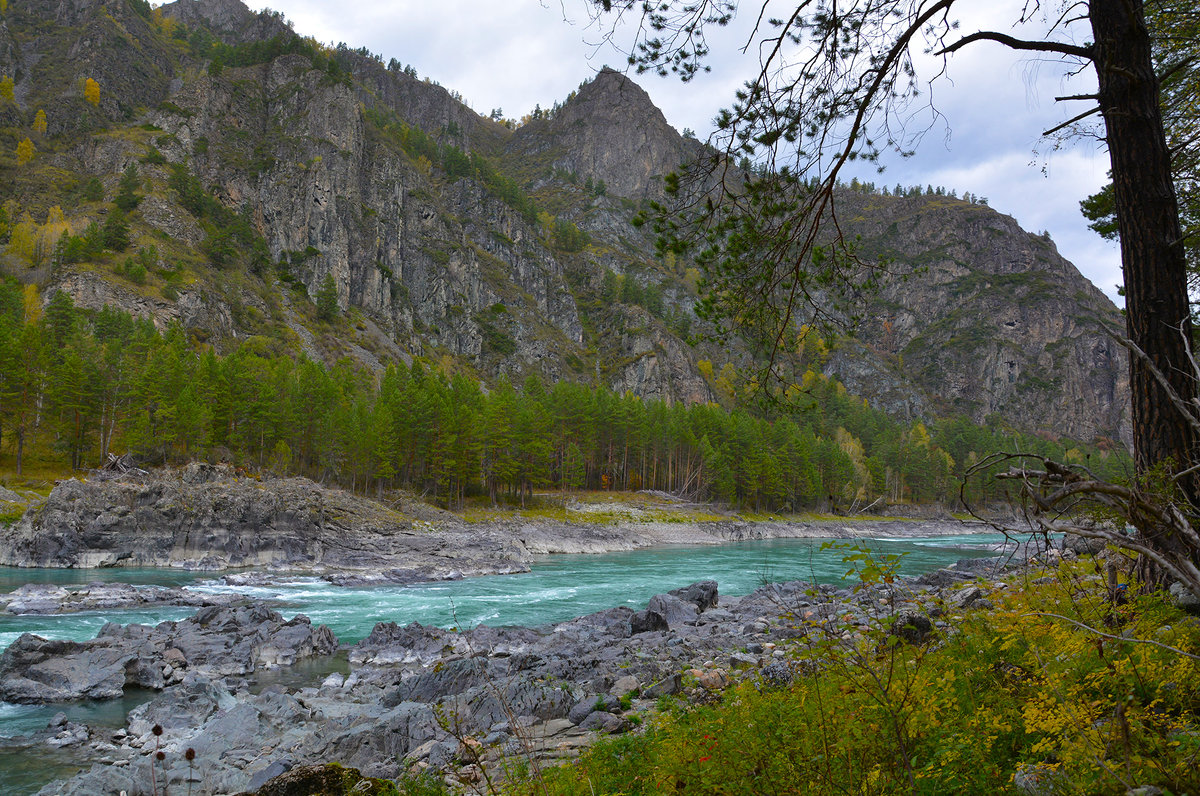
517, 54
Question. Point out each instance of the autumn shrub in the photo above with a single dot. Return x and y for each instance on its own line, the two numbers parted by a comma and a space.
1054, 675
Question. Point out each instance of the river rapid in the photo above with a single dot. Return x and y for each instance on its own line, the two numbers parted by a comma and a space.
557, 588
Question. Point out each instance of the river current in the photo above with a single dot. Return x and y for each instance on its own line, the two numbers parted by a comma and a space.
558, 588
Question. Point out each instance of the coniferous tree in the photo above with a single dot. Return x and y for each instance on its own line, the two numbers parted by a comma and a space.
127, 198
327, 299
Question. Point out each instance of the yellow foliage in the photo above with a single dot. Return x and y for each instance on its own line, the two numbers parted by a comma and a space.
6, 88
919, 435
25, 152
91, 91
166, 25
23, 239
853, 448
56, 226
3, 6
726, 380
810, 346
706, 369
32, 303
39, 122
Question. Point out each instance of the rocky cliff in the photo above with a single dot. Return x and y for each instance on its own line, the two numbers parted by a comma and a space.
448, 234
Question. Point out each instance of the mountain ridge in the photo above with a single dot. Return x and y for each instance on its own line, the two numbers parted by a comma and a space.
446, 234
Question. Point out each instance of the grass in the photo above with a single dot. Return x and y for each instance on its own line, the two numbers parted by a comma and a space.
598, 508
1024, 687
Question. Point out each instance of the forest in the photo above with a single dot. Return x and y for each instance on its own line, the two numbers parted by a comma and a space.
76, 386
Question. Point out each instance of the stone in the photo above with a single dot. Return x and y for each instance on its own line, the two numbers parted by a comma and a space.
647, 622
777, 674
674, 610
963, 598
913, 627
624, 685
702, 594
1037, 779
1184, 599
667, 686
602, 721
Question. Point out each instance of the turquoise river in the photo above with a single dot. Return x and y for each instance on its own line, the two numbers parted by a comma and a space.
558, 587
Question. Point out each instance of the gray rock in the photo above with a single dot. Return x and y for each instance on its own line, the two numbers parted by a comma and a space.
625, 685
1184, 599
665, 687
590, 704
777, 674
601, 721
913, 627
647, 622
272, 770
674, 610
1036, 779
702, 594
217, 640
963, 598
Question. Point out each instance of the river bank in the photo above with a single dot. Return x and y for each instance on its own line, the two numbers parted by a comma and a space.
209, 518
417, 697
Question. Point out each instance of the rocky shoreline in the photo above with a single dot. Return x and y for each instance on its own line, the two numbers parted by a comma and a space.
426, 698
209, 517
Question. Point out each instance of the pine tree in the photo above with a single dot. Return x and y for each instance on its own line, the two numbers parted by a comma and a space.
327, 299
127, 197
115, 232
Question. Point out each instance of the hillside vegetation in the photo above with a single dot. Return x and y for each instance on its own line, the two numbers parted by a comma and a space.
76, 386
205, 165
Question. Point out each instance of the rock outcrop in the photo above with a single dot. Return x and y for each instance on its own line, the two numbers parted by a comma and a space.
442, 227
207, 517
214, 643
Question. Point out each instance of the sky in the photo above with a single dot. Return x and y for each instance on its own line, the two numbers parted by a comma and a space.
994, 103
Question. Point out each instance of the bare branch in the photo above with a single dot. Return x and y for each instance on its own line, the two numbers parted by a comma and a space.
1071, 121
1019, 44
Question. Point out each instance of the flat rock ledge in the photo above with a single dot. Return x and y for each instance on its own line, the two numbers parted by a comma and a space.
211, 517
455, 704
216, 642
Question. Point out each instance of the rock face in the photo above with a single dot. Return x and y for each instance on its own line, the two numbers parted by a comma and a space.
344, 172
982, 318
611, 131
205, 517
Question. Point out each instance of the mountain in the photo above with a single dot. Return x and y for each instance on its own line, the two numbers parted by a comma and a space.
271, 167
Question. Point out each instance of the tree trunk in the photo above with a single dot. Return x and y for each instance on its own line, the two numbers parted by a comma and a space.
1152, 254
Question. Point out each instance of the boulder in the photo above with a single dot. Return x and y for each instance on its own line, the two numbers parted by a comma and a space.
647, 622
674, 610
702, 594
913, 627
601, 721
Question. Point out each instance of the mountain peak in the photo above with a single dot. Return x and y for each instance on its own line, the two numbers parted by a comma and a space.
610, 130
231, 19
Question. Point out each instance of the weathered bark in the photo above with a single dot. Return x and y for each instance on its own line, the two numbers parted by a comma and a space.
1152, 253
